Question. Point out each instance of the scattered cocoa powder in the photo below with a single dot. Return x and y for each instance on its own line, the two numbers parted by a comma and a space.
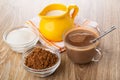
40, 59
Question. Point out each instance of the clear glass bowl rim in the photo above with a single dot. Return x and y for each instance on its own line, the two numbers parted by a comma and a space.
27, 43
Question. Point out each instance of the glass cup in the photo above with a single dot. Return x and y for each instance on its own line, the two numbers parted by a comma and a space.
82, 54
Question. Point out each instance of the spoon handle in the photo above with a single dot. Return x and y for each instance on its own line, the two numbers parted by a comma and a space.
106, 32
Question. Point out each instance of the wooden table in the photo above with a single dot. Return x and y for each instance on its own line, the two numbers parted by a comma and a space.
105, 12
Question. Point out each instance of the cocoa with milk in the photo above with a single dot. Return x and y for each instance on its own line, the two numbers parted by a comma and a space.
79, 48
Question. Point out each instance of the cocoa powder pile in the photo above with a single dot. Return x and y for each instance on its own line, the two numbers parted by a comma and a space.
40, 59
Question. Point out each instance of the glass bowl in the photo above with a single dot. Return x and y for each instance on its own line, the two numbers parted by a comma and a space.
41, 72
21, 48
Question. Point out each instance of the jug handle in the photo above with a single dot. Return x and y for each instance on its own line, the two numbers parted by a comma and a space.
70, 7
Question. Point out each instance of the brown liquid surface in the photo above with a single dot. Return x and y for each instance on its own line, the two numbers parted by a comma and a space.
80, 38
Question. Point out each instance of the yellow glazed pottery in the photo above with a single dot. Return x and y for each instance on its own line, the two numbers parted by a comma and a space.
53, 27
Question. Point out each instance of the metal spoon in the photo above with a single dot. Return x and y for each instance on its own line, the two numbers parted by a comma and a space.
105, 33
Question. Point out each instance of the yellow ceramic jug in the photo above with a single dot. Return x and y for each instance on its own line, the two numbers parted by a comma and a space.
53, 26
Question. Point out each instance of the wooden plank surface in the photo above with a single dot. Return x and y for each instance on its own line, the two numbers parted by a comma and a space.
106, 12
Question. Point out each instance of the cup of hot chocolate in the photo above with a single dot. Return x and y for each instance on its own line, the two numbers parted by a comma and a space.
79, 47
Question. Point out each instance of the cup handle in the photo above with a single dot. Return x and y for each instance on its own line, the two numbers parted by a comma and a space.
99, 55
70, 7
